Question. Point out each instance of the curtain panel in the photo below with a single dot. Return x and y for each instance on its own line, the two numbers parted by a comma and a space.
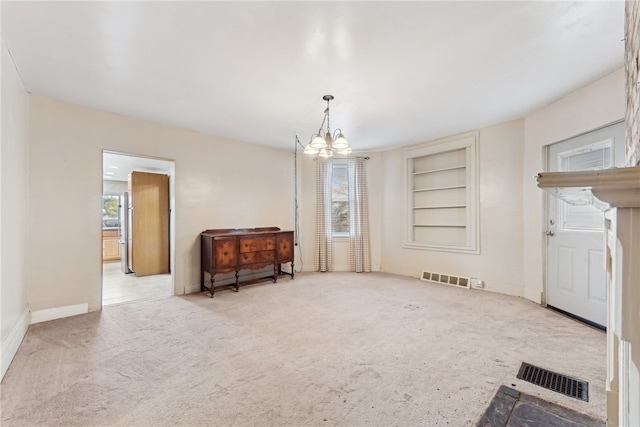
324, 238
359, 251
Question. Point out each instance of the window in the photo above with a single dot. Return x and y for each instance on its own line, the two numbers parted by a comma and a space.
340, 200
110, 211
592, 157
442, 196
110, 206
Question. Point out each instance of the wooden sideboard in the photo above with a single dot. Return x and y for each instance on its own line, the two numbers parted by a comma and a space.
234, 249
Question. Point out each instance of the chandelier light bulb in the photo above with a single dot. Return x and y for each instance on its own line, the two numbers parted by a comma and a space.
340, 142
311, 150
317, 141
324, 153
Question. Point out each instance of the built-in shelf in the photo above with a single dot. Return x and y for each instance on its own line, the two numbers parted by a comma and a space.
439, 170
451, 187
439, 226
441, 207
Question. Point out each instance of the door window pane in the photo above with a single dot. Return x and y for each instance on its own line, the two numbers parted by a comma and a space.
583, 218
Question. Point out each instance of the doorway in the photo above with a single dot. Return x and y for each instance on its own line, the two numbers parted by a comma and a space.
119, 283
576, 277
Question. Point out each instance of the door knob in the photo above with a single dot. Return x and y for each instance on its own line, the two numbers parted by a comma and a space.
549, 233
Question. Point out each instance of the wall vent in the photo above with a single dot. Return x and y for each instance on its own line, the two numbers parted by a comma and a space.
446, 279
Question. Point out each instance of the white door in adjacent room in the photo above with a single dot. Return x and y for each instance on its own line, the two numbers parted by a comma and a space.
576, 277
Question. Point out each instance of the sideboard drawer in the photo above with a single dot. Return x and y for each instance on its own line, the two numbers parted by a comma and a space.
257, 257
254, 244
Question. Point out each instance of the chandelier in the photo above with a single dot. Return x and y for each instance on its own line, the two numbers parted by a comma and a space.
324, 143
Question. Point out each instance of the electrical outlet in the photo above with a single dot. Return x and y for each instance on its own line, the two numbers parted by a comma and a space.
477, 283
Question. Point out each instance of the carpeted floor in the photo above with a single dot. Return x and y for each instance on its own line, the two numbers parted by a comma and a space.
326, 349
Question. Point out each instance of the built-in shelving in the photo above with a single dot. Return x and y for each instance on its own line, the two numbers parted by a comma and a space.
442, 195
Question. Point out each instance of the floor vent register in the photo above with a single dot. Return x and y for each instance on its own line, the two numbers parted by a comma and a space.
568, 386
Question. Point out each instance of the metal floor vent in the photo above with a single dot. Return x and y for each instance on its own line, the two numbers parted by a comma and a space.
557, 382
446, 279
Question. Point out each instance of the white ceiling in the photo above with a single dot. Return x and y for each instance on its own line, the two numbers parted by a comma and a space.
117, 167
401, 72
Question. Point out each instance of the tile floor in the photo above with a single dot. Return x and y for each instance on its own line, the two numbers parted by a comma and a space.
510, 408
118, 287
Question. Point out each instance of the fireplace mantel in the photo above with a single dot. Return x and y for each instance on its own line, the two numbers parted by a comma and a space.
617, 192
605, 189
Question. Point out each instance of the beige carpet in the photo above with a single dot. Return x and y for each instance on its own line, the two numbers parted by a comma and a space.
324, 349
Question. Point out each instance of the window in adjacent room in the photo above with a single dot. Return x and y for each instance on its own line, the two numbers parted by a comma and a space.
110, 211
442, 195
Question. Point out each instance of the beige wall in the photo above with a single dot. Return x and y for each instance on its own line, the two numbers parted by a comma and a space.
218, 183
499, 263
590, 107
307, 195
13, 208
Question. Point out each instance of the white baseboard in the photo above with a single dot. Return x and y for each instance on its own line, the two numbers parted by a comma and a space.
192, 288
532, 295
58, 312
10, 346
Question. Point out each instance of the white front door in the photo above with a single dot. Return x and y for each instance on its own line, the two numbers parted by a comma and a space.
576, 277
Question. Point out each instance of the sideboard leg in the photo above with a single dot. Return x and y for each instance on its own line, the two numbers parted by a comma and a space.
212, 280
237, 280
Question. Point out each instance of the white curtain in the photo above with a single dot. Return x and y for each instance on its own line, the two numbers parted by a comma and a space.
359, 253
324, 238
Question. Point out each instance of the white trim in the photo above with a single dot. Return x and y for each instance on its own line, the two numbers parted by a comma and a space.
58, 312
192, 288
10, 346
532, 295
